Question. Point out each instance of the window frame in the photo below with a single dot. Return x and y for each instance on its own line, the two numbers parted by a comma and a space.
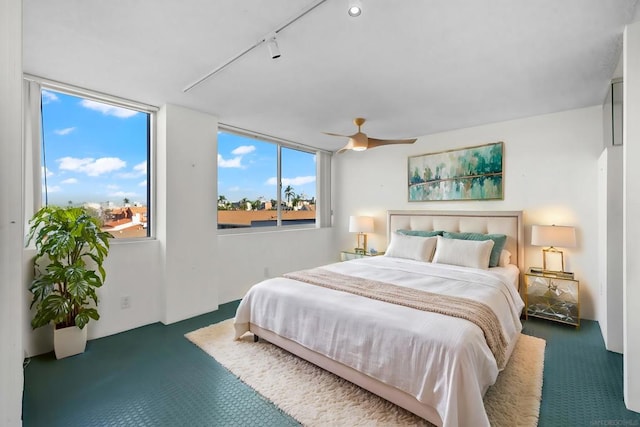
46, 84
279, 143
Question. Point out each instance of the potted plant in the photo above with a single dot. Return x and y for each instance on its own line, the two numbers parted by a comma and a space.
71, 247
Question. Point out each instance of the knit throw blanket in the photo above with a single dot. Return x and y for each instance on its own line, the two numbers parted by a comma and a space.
463, 308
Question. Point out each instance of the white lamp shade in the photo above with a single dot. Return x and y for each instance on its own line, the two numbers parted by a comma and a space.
553, 235
360, 224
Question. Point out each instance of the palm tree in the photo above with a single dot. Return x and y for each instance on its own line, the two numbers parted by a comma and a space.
222, 202
256, 204
243, 203
288, 194
126, 201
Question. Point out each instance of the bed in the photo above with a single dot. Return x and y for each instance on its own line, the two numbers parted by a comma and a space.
436, 362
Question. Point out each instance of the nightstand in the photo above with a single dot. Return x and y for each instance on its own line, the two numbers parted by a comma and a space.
552, 296
349, 255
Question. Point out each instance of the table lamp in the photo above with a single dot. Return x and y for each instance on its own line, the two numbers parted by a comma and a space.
361, 225
553, 236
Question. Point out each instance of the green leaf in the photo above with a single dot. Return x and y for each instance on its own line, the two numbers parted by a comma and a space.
83, 317
64, 286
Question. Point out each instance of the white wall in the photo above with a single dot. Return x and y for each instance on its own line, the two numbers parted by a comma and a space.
131, 272
551, 174
186, 211
244, 259
631, 213
610, 247
11, 373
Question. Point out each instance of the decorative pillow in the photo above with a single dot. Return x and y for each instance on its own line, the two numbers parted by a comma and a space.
498, 239
421, 233
505, 258
411, 247
466, 253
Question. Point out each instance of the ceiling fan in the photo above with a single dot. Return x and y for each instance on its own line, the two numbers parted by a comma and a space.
359, 141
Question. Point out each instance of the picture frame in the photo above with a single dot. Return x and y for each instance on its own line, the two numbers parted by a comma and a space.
470, 173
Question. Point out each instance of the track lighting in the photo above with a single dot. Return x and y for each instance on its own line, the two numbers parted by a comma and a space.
270, 41
274, 50
355, 8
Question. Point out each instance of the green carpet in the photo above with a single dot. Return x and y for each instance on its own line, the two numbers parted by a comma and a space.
153, 376
582, 383
149, 376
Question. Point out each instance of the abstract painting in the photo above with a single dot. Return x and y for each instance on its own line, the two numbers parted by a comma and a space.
471, 173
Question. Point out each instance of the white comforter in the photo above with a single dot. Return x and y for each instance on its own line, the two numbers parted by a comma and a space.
442, 361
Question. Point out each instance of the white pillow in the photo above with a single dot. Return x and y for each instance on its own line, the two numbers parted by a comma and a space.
466, 253
505, 258
411, 247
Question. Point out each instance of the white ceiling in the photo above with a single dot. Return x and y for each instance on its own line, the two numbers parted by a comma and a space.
411, 67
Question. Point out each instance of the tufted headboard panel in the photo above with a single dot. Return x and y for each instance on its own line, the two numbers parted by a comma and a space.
491, 222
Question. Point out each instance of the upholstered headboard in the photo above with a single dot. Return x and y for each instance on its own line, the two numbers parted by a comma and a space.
491, 222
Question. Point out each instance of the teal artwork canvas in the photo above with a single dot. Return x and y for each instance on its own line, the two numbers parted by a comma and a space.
471, 173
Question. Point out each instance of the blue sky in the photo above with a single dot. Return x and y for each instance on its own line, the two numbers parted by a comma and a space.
97, 153
247, 168
94, 152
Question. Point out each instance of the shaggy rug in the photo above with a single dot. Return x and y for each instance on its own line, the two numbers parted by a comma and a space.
315, 397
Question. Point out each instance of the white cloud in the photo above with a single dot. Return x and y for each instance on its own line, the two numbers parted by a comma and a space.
108, 110
112, 187
73, 164
69, 181
46, 171
65, 131
90, 166
105, 165
244, 149
52, 189
138, 170
236, 188
48, 97
143, 183
123, 194
298, 180
141, 168
230, 163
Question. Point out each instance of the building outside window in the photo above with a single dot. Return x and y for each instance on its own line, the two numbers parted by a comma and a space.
264, 184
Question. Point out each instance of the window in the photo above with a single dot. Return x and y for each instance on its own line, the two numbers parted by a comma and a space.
248, 181
96, 155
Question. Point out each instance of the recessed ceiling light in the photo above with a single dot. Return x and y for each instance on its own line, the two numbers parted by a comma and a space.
355, 8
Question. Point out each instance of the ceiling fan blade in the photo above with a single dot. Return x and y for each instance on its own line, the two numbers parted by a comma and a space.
373, 142
337, 134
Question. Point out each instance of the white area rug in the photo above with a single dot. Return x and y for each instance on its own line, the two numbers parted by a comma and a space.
316, 397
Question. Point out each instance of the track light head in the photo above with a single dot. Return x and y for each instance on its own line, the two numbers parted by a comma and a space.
274, 50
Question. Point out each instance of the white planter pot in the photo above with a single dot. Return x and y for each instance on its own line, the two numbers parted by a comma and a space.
69, 341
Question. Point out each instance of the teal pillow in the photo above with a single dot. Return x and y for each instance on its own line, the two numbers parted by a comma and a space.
421, 233
499, 241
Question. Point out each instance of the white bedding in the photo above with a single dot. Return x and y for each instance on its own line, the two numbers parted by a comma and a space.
442, 361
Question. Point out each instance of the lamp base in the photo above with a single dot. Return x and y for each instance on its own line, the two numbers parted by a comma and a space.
361, 248
552, 260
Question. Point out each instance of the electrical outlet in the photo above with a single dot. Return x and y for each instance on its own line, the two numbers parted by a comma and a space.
125, 302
